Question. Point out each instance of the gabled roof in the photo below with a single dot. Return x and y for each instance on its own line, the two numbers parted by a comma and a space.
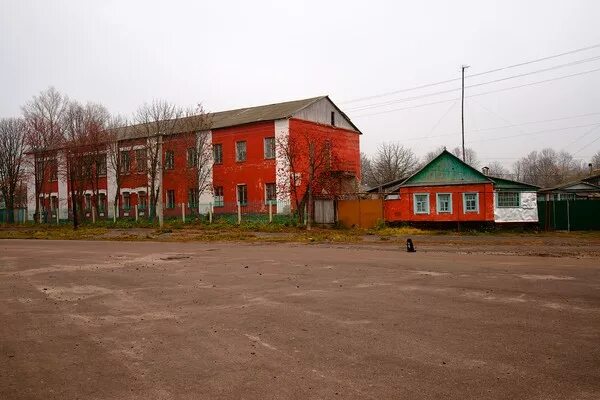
446, 169
507, 184
573, 186
239, 116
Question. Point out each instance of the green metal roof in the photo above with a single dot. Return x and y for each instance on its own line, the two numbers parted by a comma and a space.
446, 169
508, 185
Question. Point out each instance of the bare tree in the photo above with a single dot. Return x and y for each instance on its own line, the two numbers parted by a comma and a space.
43, 117
432, 154
496, 169
157, 122
117, 130
12, 147
306, 151
595, 161
470, 156
197, 143
547, 168
96, 122
365, 169
391, 162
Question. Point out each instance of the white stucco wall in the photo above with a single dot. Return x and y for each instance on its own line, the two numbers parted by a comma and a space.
205, 198
28, 173
282, 167
527, 212
63, 198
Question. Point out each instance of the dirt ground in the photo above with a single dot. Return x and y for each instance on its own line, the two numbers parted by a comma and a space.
147, 320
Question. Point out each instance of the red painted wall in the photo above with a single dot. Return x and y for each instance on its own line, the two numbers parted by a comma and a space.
255, 172
402, 210
345, 152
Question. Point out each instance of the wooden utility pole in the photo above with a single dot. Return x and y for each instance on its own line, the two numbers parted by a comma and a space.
462, 110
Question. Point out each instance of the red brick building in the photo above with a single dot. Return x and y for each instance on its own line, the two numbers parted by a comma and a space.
249, 163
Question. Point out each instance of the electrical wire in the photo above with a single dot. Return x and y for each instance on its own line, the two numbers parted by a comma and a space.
386, 103
471, 75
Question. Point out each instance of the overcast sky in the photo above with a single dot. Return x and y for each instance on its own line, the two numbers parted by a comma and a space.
230, 54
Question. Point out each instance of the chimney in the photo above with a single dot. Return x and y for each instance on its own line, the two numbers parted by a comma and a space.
485, 170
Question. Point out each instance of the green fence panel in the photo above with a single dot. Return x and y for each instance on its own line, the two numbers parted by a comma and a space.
575, 215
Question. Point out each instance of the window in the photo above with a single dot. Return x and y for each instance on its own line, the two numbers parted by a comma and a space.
101, 165
193, 198
142, 201
509, 199
141, 160
170, 199
88, 202
125, 162
39, 170
270, 193
192, 157
126, 201
54, 204
471, 202
242, 194
101, 202
421, 203
218, 153
333, 118
240, 151
444, 203
169, 159
218, 196
53, 170
270, 147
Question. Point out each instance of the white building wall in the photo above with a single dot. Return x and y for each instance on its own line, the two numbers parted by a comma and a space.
63, 195
29, 175
320, 112
282, 167
111, 184
205, 197
527, 212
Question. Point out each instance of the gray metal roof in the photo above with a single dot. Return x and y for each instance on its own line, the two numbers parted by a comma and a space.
224, 119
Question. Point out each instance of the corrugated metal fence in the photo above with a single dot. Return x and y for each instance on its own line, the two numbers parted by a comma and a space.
574, 215
360, 213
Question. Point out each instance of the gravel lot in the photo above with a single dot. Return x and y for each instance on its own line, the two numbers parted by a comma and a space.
145, 320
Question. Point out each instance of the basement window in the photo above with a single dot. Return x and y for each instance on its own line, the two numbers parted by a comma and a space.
509, 199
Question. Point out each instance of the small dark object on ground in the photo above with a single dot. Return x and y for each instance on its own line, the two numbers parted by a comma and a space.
409, 246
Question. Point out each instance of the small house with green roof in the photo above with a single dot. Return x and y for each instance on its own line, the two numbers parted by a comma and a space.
449, 190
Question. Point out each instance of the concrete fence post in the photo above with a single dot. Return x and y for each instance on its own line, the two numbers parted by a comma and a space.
239, 210
136, 212
115, 213
57, 217
270, 211
183, 212
210, 213
93, 214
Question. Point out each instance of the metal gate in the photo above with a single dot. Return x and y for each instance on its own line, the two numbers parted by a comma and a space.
324, 212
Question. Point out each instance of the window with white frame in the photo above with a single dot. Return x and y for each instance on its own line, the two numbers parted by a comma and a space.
421, 201
240, 151
509, 199
270, 147
444, 203
142, 201
169, 159
471, 202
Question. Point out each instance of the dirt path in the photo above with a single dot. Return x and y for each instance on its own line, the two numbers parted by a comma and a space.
147, 320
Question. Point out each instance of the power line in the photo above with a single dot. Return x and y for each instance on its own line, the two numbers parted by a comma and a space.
483, 93
597, 124
385, 103
471, 76
589, 144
